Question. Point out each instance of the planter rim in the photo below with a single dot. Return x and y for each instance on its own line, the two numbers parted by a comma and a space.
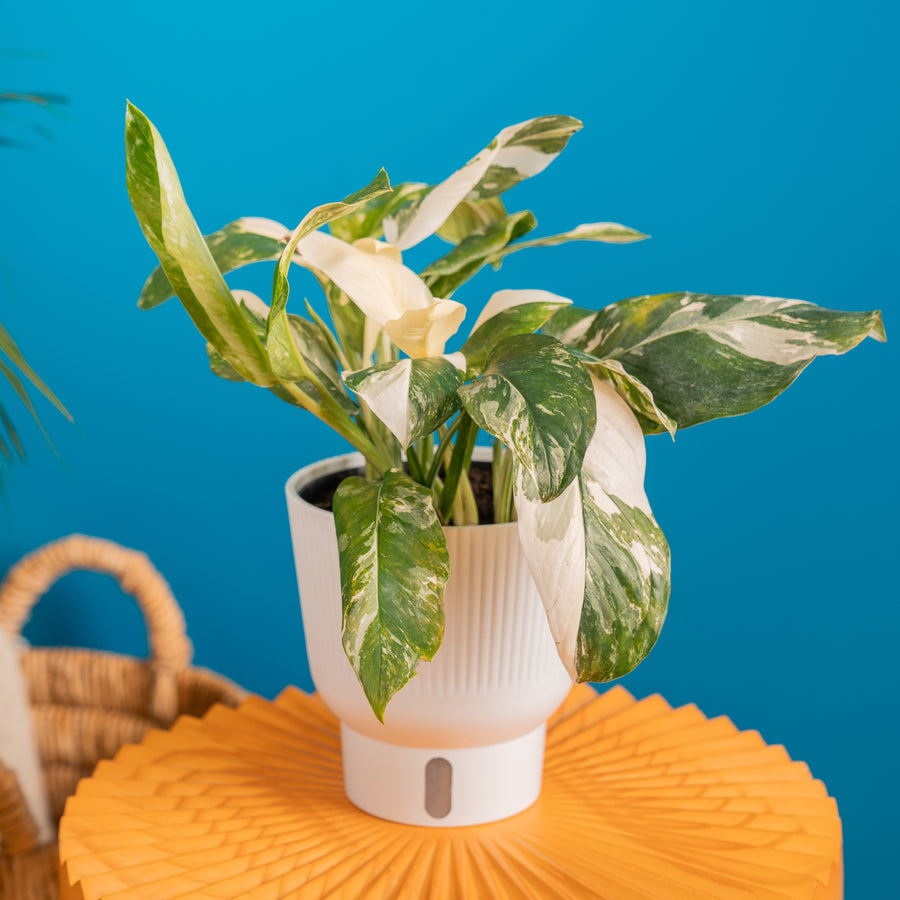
330, 465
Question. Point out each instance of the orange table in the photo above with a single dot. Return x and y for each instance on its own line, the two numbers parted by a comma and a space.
640, 801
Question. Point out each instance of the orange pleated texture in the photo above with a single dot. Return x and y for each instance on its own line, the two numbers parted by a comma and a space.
640, 800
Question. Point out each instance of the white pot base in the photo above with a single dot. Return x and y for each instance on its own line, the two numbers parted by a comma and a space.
446, 788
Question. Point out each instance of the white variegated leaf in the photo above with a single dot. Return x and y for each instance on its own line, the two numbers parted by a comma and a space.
705, 356
536, 398
425, 332
380, 285
605, 232
600, 561
365, 221
328, 212
411, 396
469, 216
515, 154
314, 219
171, 231
371, 274
504, 300
446, 274
637, 395
507, 313
394, 566
239, 243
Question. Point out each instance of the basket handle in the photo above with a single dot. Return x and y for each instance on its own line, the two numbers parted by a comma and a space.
170, 650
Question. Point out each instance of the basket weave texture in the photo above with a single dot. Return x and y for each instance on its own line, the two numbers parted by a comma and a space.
85, 704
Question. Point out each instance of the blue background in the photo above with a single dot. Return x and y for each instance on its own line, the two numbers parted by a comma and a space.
755, 141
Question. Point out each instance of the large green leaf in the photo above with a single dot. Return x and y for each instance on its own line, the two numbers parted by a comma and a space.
446, 274
600, 561
394, 565
704, 356
537, 398
507, 313
173, 234
238, 244
411, 396
515, 154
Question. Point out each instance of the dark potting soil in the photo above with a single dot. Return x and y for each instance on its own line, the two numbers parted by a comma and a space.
321, 491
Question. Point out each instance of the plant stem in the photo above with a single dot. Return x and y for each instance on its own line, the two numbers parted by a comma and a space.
337, 419
502, 481
426, 455
465, 508
415, 465
467, 432
438, 457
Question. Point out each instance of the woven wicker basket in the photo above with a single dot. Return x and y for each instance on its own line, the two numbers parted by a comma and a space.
85, 704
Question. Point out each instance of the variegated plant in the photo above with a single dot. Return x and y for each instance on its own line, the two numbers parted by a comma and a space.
565, 393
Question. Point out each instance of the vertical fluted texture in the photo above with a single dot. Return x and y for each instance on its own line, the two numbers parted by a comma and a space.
496, 633
496, 675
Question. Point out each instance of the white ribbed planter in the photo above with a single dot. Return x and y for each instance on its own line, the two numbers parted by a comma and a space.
463, 742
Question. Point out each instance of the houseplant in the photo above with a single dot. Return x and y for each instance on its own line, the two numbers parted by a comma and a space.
565, 393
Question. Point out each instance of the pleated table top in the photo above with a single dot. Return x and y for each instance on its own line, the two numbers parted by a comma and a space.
640, 801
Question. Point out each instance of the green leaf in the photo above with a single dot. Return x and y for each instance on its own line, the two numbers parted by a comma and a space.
19, 388
238, 244
537, 398
636, 394
298, 351
379, 186
507, 313
6, 425
349, 321
469, 216
312, 221
606, 232
515, 154
9, 350
366, 220
173, 234
394, 565
411, 396
12, 351
300, 348
446, 274
705, 356
221, 367
600, 561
